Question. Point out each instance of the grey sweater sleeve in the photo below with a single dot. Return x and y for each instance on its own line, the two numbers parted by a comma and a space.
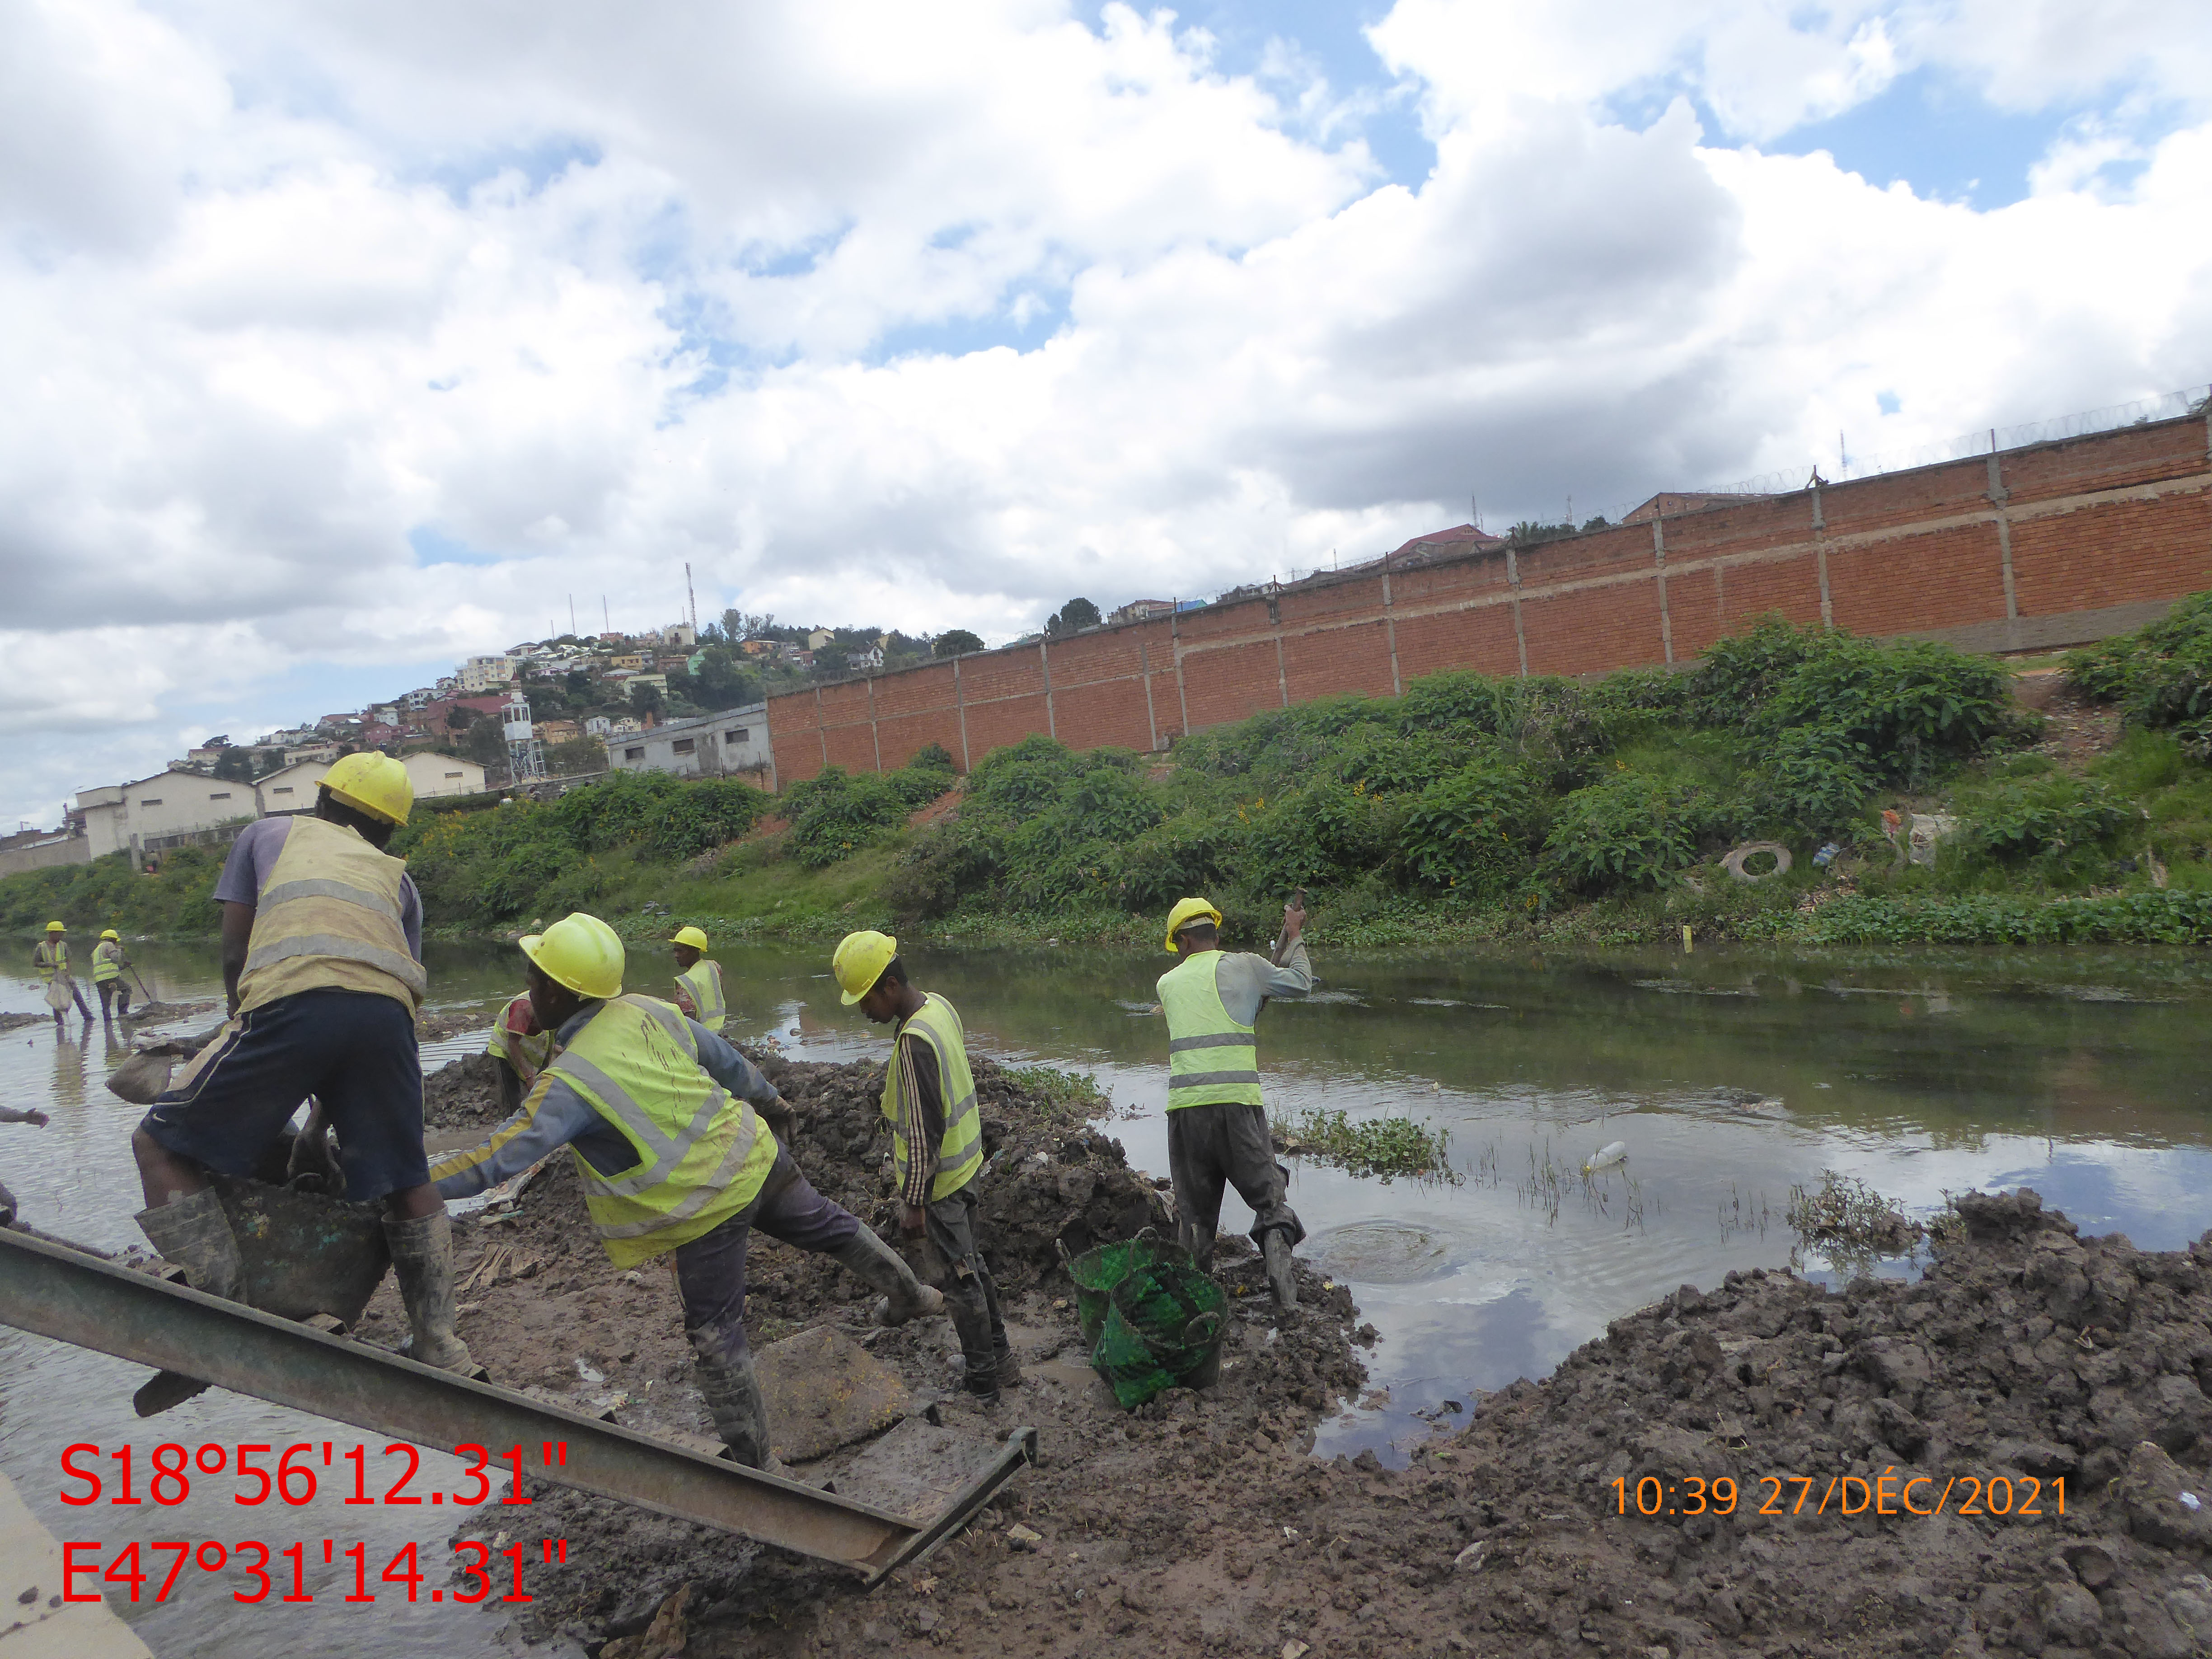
1245, 980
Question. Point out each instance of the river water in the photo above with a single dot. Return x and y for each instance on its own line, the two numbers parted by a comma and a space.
1730, 1076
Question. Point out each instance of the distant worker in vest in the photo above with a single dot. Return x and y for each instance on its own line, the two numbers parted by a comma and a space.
936, 1142
1217, 1127
109, 962
669, 1130
523, 1049
698, 980
322, 959
50, 959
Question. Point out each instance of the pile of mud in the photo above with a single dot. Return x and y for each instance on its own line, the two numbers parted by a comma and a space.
543, 1309
2009, 1455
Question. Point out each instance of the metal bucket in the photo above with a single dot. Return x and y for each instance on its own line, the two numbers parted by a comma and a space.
304, 1254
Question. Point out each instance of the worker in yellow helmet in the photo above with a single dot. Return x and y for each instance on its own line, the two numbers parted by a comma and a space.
670, 1132
936, 1142
523, 1049
1217, 1125
109, 962
50, 959
698, 980
322, 959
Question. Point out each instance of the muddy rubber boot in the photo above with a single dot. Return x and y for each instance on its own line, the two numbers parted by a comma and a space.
1009, 1370
971, 1319
1275, 1250
423, 1257
193, 1232
885, 1269
733, 1400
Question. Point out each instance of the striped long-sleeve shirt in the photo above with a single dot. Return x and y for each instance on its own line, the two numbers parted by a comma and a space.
921, 1087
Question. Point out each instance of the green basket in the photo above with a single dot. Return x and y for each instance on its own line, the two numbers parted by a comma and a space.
1097, 1271
1163, 1330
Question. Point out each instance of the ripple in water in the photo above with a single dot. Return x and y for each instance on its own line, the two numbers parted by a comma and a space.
1385, 1252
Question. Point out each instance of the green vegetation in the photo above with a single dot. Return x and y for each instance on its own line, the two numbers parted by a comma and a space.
1385, 1147
1469, 809
1072, 1094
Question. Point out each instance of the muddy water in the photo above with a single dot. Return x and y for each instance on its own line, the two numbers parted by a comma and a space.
1729, 1076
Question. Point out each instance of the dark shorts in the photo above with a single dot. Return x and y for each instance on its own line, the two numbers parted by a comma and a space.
353, 1050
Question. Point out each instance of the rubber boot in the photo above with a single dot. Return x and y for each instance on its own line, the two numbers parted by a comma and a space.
423, 1257
883, 1268
1275, 1251
193, 1232
1009, 1371
971, 1319
733, 1400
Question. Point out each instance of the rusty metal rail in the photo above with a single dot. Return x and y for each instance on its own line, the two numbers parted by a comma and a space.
79, 1299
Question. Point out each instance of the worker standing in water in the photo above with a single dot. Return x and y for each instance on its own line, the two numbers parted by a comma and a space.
698, 980
109, 959
670, 1131
936, 1142
523, 1049
50, 959
1217, 1125
322, 948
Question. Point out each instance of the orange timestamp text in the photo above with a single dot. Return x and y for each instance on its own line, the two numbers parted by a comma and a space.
1892, 1492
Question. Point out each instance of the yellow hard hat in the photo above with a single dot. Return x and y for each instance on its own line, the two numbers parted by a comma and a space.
1186, 912
580, 952
861, 961
111, 934
691, 936
377, 784
56, 928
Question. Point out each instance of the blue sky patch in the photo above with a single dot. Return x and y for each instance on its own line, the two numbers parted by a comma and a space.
433, 546
1944, 140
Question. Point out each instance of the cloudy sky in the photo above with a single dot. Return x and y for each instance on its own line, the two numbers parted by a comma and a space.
342, 340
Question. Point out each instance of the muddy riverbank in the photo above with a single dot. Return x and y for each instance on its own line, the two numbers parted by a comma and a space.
2009, 1454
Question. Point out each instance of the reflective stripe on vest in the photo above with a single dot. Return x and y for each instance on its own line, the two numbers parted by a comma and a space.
702, 1155
107, 962
1210, 1058
960, 1153
329, 917
51, 959
703, 983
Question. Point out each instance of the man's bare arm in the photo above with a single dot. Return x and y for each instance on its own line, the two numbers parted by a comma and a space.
237, 931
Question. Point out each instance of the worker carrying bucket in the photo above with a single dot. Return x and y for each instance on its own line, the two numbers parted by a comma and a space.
937, 1144
659, 1116
1217, 1127
322, 957
698, 980
51, 959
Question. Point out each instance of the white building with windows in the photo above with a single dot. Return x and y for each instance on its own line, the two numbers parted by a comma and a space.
482, 674
175, 804
715, 745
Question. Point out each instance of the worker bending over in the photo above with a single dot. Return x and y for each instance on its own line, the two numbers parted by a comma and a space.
1217, 1127
109, 959
322, 960
936, 1142
698, 980
659, 1116
523, 1049
50, 959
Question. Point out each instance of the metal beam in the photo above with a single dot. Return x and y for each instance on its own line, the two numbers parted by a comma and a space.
76, 1298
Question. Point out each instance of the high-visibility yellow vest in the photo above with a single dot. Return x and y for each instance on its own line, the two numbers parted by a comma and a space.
1210, 1058
329, 916
51, 959
702, 1154
529, 1052
703, 983
107, 962
960, 1153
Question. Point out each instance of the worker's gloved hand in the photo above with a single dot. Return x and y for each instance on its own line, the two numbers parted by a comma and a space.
780, 1120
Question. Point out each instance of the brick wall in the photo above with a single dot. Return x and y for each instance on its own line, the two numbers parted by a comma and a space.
2052, 544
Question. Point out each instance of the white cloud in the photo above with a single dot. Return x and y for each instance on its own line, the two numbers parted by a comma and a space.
598, 293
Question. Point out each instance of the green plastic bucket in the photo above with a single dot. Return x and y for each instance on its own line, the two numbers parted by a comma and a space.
1098, 1270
